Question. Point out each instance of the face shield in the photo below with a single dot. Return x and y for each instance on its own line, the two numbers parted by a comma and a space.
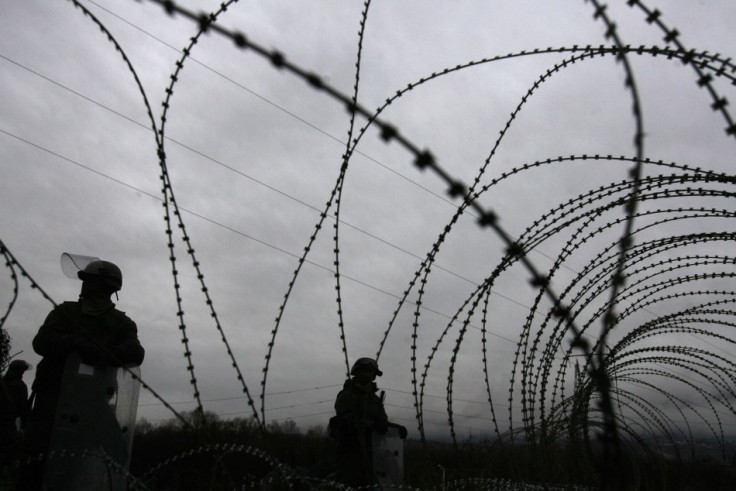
72, 264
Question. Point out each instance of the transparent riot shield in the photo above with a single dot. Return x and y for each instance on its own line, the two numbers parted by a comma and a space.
388, 457
126, 404
93, 427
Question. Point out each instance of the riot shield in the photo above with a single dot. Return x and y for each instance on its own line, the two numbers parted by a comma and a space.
388, 457
126, 405
93, 428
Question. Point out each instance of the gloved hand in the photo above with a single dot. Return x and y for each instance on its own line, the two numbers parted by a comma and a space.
88, 351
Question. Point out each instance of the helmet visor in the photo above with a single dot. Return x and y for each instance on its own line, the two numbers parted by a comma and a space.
71, 264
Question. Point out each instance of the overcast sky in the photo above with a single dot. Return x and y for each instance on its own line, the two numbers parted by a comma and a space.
254, 153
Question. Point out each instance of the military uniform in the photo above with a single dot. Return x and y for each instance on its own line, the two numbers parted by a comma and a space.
94, 328
100, 333
359, 411
13, 407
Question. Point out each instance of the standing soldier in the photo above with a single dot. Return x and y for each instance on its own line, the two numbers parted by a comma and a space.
92, 329
359, 412
14, 413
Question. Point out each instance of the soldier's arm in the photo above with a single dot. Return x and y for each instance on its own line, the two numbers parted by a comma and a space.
380, 419
346, 408
54, 339
344, 405
128, 349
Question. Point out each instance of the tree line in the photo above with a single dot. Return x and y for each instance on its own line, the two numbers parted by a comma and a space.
207, 452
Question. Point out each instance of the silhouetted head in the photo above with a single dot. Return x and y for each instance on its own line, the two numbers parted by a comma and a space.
100, 277
366, 365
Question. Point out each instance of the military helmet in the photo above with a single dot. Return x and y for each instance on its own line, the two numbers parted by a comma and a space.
366, 363
110, 273
19, 366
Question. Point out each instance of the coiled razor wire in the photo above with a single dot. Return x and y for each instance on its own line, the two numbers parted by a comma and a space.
112, 468
543, 419
280, 476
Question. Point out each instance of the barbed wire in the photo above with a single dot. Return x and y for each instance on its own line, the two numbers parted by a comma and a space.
622, 281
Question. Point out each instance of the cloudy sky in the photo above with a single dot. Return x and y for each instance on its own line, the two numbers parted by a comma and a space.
254, 154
